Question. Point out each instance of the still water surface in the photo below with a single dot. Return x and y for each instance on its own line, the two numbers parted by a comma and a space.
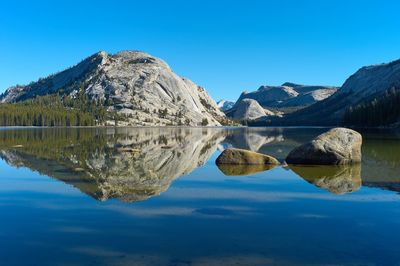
154, 196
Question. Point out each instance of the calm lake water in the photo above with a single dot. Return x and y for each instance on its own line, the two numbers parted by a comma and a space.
154, 196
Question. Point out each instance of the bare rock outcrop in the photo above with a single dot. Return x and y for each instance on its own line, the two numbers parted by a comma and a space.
338, 146
141, 88
367, 84
248, 109
225, 105
288, 95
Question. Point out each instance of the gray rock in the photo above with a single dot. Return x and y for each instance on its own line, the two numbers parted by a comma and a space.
309, 97
248, 109
337, 146
224, 105
138, 86
239, 156
288, 95
364, 85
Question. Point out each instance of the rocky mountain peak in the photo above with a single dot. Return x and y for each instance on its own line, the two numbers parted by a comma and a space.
248, 109
141, 88
288, 95
225, 105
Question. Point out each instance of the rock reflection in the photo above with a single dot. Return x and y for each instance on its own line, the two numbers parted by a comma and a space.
335, 179
243, 170
381, 162
128, 164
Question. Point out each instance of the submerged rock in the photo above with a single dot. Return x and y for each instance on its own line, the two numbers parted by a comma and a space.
337, 146
337, 179
243, 169
239, 156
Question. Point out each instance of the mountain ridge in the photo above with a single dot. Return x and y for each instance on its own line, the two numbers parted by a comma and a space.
288, 95
141, 88
366, 85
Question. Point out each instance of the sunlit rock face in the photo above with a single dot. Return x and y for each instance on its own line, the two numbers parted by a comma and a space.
336, 146
288, 95
143, 89
335, 179
225, 105
128, 164
248, 109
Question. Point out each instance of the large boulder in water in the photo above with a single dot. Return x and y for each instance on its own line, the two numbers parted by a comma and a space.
337, 146
239, 156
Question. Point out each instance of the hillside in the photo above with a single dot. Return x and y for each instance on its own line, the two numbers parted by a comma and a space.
132, 87
248, 110
225, 105
367, 98
289, 95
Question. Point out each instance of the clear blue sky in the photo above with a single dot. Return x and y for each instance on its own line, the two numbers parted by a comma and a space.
225, 46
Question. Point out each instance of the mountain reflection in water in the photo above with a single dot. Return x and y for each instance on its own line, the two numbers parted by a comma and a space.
133, 164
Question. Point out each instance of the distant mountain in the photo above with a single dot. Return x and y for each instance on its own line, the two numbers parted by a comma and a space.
288, 95
139, 88
370, 97
248, 109
224, 105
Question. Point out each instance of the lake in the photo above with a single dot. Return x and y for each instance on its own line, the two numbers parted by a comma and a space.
154, 196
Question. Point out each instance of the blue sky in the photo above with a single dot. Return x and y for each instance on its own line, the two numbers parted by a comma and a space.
225, 46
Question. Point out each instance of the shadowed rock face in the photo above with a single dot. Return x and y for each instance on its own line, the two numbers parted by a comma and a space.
335, 179
366, 84
96, 164
135, 84
337, 146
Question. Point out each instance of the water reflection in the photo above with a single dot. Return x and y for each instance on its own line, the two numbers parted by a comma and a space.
335, 179
381, 161
242, 170
130, 165
133, 164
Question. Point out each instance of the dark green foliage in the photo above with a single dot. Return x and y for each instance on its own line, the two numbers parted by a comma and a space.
53, 110
380, 111
56, 142
204, 122
163, 113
